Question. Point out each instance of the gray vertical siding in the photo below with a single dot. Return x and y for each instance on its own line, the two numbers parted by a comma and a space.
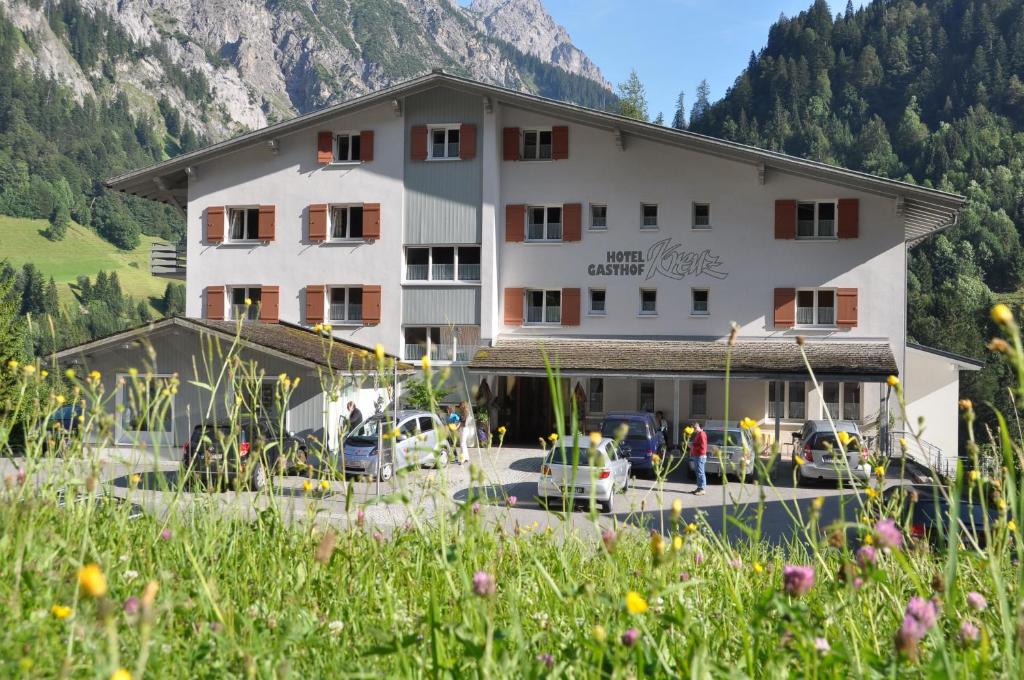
442, 199
442, 305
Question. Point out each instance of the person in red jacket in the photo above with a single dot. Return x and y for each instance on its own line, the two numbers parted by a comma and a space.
699, 451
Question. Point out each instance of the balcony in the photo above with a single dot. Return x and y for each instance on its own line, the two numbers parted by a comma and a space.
416, 352
167, 260
417, 272
469, 272
442, 272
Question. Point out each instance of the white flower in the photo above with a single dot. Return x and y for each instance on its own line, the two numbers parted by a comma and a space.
130, 575
165, 648
123, 558
335, 627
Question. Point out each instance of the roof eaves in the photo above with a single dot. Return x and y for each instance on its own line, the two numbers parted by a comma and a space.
963, 362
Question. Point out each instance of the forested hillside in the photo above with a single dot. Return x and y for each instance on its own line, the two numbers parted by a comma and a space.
927, 91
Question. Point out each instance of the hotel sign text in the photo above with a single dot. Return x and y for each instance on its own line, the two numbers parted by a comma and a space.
664, 257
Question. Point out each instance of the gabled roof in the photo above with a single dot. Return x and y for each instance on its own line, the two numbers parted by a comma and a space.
282, 339
924, 210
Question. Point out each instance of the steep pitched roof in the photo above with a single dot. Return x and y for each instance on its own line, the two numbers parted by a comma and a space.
924, 210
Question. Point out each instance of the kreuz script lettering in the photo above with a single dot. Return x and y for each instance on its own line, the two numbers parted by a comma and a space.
669, 259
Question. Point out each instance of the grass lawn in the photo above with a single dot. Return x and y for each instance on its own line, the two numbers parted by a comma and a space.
81, 252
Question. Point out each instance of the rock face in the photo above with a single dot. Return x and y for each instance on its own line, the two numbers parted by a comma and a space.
265, 60
527, 25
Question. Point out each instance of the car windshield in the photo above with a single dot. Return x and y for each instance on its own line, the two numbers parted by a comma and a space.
717, 438
635, 429
370, 429
565, 455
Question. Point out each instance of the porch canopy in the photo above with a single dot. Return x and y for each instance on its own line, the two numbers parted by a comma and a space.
687, 359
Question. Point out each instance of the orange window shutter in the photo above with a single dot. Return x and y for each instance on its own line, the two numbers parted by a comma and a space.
785, 308
215, 224
371, 221
514, 306
418, 143
467, 141
215, 303
270, 304
560, 142
314, 304
847, 303
325, 147
785, 219
572, 222
849, 218
318, 222
366, 145
570, 306
268, 222
371, 305
515, 222
510, 143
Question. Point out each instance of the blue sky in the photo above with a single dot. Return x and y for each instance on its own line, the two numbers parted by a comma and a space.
674, 43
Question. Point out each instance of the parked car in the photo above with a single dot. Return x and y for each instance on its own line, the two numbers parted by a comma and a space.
926, 511
244, 450
598, 474
727, 448
638, 435
822, 454
62, 427
370, 450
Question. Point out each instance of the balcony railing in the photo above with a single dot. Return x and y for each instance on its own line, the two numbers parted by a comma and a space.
442, 272
167, 260
438, 352
417, 272
537, 315
469, 272
337, 312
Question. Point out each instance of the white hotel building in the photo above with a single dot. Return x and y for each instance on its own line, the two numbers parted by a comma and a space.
492, 228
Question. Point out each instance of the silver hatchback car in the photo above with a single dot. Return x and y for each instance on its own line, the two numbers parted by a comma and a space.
730, 452
823, 456
598, 474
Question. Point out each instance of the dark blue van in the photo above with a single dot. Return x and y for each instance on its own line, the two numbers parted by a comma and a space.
642, 439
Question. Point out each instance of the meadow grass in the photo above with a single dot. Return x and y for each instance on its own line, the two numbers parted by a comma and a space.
202, 592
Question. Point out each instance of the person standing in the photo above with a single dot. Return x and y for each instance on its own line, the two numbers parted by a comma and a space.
465, 417
699, 452
355, 416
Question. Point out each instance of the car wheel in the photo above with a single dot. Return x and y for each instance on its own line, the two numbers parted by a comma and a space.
625, 484
385, 472
258, 478
606, 506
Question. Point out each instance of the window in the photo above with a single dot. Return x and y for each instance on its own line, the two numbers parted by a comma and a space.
645, 396
245, 224
346, 305
816, 219
240, 310
597, 302
816, 307
443, 263
786, 400
648, 301
776, 399
421, 342
544, 223
146, 406
699, 399
842, 400
444, 142
346, 222
649, 212
595, 395
830, 397
797, 399
701, 215
346, 148
699, 301
543, 306
537, 145
598, 217
441, 343
851, 401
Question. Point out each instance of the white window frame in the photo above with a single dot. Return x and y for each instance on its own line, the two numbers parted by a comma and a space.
253, 312
598, 227
245, 210
126, 389
347, 207
349, 319
816, 307
544, 307
590, 302
657, 216
547, 224
641, 311
787, 400
817, 236
694, 225
693, 412
448, 128
430, 265
693, 302
538, 157
338, 160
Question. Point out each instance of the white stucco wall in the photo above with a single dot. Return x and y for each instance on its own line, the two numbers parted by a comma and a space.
932, 390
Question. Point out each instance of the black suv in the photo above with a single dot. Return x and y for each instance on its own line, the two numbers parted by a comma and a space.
927, 511
242, 451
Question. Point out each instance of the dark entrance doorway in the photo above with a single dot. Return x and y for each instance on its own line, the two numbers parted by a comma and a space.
527, 409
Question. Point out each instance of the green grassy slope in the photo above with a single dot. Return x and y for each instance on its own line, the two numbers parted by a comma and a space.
82, 252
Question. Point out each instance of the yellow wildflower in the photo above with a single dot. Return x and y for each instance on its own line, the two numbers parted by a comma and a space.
1001, 314
657, 544
748, 423
869, 539
13, 364
379, 350
903, 443
880, 470
871, 492
451, 426
121, 674
818, 502
893, 381
44, 373
59, 399
307, 486
677, 508
798, 460
248, 302
502, 429
317, 327
635, 603
29, 369
92, 580
691, 528
60, 611
395, 432
974, 475
1001, 504
966, 404
688, 430
600, 634
325, 485
426, 362
95, 376
553, 437
69, 374
328, 328
758, 568
1011, 525
656, 459
595, 438
844, 438
677, 542
135, 479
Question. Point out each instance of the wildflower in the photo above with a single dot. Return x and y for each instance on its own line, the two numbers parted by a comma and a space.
130, 575
822, 645
869, 539
553, 437
95, 376
635, 603
748, 423
92, 580
425, 362
59, 399
595, 438
888, 534
121, 674
248, 302
893, 381
484, 584
684, 576
317, 327
325, 485
328, 328
600, 634
688, 430
797, 580
858, 583
546, 659
903, 443
657, 545
656, 459
26, 664
698, 558
377, 536
880, 470
844, 438
166, 534
60, 611
866, 556
871, 492
13, 364
475, 508
677, 543
758, 568
69, 374
360, 517
1001, 314
608, 537
969, 633
965, 404
691, 528
798, 460
1011, 525
512, 501
131, 606
919, 618
336, 627
502, 429
976, 601
29, 369
379, 351
974, 475
818, 503
736, 563
677, 508
307, 486
44, 373
630, 637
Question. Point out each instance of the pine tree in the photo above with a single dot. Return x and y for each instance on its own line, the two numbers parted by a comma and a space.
633, 98
679, 120
659, 119
702, 103
12, 336
51, 303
